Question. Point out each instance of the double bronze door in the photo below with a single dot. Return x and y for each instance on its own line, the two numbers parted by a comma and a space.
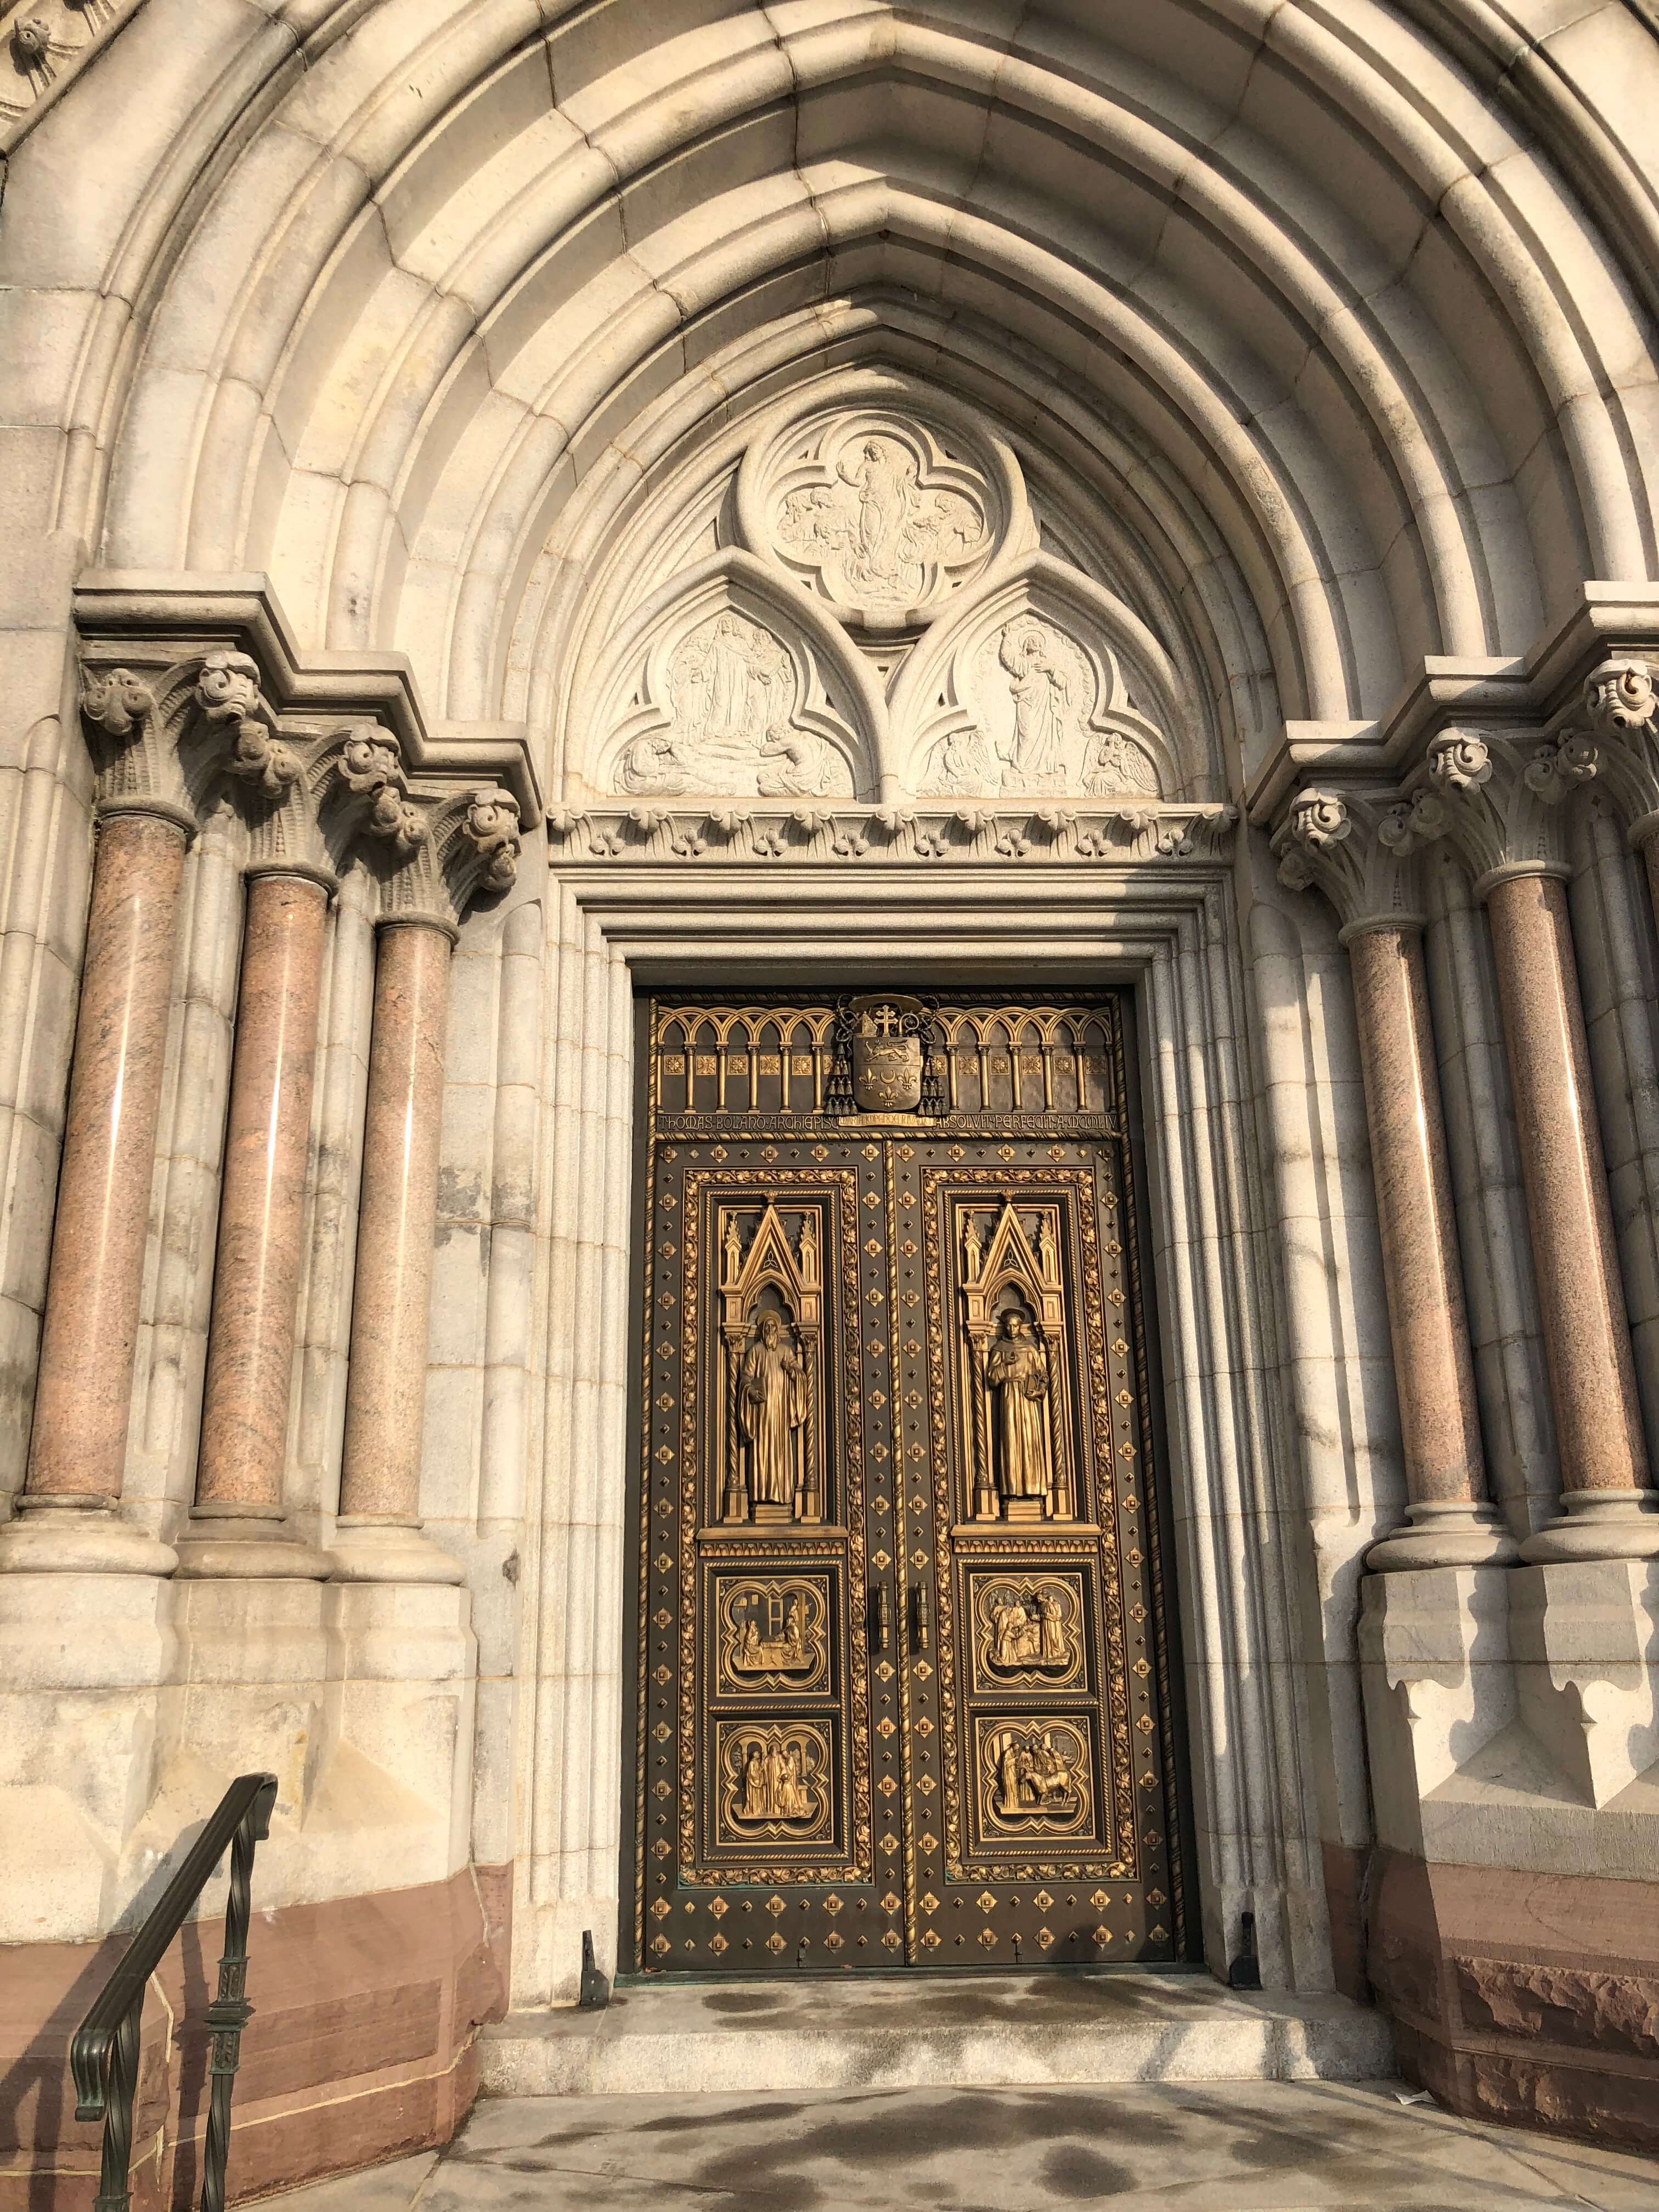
904, 1673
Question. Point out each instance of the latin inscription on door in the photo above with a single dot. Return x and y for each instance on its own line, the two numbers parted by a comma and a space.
903, 1690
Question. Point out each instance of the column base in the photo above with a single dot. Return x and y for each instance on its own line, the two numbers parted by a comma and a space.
367, 1549
249, 1541
57, 1535
1444, 1533
1599, 1524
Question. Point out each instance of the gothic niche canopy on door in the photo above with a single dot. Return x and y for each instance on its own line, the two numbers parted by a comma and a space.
862, 608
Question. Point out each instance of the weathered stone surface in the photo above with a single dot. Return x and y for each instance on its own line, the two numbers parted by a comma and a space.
1559, 2004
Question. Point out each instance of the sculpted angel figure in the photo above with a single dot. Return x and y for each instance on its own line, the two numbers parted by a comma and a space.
1115, 763
960, 761
771, 1408
1035, 755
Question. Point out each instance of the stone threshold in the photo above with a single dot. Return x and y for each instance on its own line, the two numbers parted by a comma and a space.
933, 2032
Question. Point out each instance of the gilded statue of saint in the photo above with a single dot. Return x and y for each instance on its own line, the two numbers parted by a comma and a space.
771, 1409
1018, 1373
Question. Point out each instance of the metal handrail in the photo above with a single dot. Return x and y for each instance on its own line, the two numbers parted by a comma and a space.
104, 2055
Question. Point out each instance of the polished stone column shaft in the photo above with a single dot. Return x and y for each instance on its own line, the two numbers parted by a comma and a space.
1452, 1522
1586, 1330
385, 1390
95, 1282
250, 1361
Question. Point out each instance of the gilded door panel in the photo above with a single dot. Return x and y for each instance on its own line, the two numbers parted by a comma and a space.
904, 1691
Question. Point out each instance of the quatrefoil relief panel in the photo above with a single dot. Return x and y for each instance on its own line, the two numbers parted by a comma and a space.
883, 516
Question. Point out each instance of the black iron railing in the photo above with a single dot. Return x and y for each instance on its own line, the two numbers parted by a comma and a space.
104, 2055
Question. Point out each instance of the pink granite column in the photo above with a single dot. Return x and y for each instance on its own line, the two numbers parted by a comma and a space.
1604, 1471
1452, 1522
235, 1523
385, 1390
84, 1390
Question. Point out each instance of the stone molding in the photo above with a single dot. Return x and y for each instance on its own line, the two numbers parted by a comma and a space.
44, 46
190, 696
825, 836
1542, 696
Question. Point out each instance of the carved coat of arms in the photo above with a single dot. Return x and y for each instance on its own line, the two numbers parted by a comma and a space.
887, 1055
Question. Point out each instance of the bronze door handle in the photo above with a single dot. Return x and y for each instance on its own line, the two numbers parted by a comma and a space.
878, 1618
919, 1616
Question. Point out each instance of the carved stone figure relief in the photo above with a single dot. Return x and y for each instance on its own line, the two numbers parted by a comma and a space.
733, 693
881, 520
1034, 696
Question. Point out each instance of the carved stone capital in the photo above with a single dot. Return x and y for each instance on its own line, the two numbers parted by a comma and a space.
1621, 703
1502, 794
469, 843
1359, 848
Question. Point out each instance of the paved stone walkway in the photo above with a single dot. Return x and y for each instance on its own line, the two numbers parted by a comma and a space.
1231, 2147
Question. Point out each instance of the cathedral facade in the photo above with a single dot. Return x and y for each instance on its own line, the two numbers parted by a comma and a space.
829, 1064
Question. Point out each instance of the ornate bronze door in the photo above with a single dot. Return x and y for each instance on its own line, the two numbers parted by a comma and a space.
904, 1691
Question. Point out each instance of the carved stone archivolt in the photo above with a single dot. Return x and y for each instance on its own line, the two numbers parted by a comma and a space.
879, 621
44, 46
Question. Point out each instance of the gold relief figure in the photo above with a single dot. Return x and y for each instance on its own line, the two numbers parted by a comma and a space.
773, 1634
809, 1247
1028, 1630
733, 1250
1017, 1371
1037, 1776
771, 1412
774, 1783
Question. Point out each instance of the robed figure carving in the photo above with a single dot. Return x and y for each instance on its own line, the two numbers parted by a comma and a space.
771, 1412
1018, 1372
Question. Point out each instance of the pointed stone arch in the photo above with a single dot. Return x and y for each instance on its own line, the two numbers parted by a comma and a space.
727, 683
1044, 683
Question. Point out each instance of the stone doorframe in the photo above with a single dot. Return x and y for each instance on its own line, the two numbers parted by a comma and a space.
1165, 927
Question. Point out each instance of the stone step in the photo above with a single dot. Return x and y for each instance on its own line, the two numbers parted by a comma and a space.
933, 2032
